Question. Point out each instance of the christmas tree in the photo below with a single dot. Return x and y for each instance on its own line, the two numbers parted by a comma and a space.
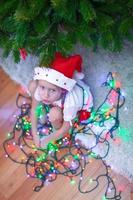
42, 27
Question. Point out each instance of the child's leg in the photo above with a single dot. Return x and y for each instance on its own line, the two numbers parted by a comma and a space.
56, 117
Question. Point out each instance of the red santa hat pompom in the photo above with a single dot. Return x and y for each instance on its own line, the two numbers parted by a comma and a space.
63, 71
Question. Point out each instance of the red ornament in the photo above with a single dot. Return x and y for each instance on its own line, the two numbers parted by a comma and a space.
84, 115
23, 53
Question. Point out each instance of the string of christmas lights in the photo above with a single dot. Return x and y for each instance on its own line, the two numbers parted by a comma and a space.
67, 156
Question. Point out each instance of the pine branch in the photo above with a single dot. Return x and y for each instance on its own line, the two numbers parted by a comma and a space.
43, 27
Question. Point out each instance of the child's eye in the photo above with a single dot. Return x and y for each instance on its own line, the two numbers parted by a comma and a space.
42, 87
52, 90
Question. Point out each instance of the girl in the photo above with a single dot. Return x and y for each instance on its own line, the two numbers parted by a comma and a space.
59, 87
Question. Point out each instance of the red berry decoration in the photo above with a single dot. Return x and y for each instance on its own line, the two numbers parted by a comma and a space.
84, 115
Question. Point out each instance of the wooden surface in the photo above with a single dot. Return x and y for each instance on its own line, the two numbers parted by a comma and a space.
14, 184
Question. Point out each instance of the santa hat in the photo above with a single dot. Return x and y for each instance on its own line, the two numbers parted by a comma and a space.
63, 71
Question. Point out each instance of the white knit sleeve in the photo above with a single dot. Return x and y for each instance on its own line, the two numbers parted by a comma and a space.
79, 98
73, 103
88, 98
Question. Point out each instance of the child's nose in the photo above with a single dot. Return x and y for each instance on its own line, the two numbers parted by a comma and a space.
46, 94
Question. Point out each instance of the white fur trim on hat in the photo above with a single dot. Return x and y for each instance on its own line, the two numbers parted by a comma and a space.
78, 75
54, 77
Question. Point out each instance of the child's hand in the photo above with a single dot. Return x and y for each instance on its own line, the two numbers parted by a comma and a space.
45, 140
50, 138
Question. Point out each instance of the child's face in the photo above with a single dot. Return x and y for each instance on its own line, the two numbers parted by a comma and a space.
49, 92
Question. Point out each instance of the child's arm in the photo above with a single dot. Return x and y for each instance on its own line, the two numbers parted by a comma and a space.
34, 122
32, 88
63, 130
57, 134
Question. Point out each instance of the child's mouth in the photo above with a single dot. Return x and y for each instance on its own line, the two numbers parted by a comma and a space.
46, 101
